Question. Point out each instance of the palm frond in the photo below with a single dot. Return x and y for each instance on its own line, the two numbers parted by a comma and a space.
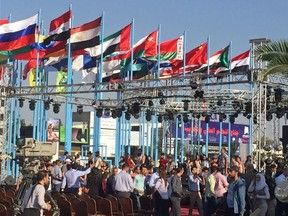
283, 69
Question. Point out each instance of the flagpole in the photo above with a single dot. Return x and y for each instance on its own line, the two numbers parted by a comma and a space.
68, 116
251, 88
229, 123
207, 81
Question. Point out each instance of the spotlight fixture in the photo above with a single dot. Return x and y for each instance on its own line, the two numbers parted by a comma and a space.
268, 92
219, 102
107, 112
160, 118
278, 95
222, 117
193, 84
162, 101
21, 102
119, 113
232, 119
150, 103
199, 94
148, 115
127, 116
56, 108
160, 93
114, 114
79, 109
170, 116
269, 116
136, 116
99, 113
136, 107
207, 119
32, 105
185, 105
47, 104
254, 119
280, 112
185, 118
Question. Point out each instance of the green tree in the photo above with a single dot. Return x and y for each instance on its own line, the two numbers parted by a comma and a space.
275, 53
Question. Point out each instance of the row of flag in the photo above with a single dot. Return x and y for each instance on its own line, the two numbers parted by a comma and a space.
22, 41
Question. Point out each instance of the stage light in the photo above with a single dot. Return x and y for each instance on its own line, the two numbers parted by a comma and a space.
170, 116
123, 108
160, 94
199, 94
193, 84
135, 108
280, 112
248, 107
162, 101
79, 109
185, 118
136, 116
148, 115
32, 105
114, 114
222, 117
254, 119
160, 118
186, 105
235, 114
107, 112
127, 116
278, 95
56, 108
232, 119
269, 92
207, 119
99, 113
219, 102
21, 102
248, 116
119, 113
150, 103
269, 116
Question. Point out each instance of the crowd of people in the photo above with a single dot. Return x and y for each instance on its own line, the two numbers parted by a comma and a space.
217, 185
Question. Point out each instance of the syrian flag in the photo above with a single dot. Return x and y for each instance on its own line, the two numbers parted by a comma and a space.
194, 59
145, 47
119, 41
86, 36
59, 28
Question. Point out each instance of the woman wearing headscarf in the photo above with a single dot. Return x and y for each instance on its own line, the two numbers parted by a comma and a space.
259, 193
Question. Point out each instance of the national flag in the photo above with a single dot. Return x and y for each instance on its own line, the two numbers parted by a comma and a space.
61, 81
241, 62
59, 28
5, 21
146, 47
86, 35
216, 61
194, 59
83, 62
31, 64
56, 63
89, 75
18, 34
119, 41
170, 50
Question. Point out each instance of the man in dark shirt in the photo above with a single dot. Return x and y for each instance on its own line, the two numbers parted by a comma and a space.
177, 192
111, 181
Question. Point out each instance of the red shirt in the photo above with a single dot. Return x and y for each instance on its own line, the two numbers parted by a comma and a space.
163, 162
129, 162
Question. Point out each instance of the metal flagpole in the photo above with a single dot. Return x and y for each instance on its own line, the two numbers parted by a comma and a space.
229, 123
68, 114
207, 81
176, 140
250, 120
182, 122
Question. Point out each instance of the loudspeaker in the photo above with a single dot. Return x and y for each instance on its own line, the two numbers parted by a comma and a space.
285, 138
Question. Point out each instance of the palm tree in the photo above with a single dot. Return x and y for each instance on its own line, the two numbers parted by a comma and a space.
275, 53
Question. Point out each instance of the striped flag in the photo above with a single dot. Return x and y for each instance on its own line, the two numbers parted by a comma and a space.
119, 41
59, 28
5, 21
86, 35
18, 34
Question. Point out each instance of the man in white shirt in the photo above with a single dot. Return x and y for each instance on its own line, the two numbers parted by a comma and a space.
123, 183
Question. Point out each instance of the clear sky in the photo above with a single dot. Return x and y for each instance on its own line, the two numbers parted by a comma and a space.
222, 20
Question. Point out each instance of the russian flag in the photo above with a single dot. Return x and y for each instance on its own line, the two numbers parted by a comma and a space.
18, 34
